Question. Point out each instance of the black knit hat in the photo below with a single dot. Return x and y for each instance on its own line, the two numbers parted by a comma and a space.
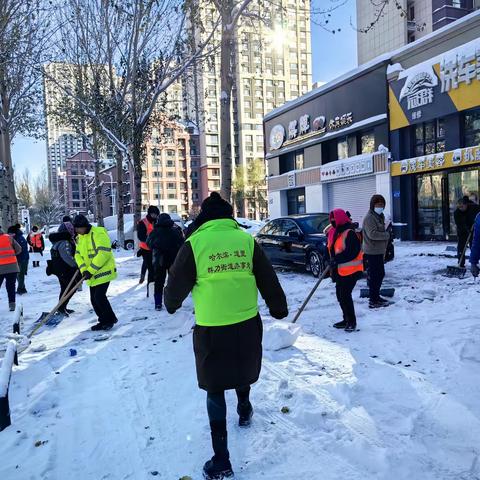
215, 205
67, 218
152, 209
81, 221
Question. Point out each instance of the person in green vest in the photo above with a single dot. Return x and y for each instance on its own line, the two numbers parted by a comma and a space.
224, 268
96, 262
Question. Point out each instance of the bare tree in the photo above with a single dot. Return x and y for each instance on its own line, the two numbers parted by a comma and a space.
136, 49
48, 208
24, 34
24, 189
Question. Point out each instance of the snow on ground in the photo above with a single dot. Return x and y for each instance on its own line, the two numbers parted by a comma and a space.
396, 400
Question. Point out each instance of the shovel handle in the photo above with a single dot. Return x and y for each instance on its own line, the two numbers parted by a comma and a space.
465, 247
310, 295
55, 309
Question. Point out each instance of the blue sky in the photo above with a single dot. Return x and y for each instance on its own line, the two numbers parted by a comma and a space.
332, 56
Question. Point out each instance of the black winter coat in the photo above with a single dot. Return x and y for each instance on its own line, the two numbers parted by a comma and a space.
228, 356
165, 242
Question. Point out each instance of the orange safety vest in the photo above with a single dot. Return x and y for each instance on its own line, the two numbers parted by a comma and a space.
37, 240
348, 268
149, 227
7, 252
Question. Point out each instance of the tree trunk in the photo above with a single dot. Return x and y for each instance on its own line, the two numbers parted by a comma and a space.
119, 199
226, 83
98, 187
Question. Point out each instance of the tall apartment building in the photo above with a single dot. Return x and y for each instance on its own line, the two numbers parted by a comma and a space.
62, 142
171, 169
403, 22
273, 65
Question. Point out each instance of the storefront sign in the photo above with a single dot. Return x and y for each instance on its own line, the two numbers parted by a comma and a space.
347, 168
291, 180
302, 129
443, 85
277, 137
340, 122
437, 161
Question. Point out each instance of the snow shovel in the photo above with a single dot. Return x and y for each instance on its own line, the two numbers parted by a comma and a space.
384, 292
46, 316
458, 271
310, 295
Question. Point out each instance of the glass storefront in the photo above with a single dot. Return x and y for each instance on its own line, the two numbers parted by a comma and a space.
296, 201
437, 197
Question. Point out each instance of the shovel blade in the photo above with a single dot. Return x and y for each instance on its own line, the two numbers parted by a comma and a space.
456, 271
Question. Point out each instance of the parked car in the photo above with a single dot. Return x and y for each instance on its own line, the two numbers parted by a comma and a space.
110, 224
297, 241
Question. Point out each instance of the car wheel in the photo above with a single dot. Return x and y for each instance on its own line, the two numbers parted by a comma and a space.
129, 245
316, 263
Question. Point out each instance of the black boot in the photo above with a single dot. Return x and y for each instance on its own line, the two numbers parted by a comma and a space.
341, 324
219, 467
245, 414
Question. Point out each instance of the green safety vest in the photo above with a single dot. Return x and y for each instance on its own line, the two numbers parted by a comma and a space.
225, 291
94, 253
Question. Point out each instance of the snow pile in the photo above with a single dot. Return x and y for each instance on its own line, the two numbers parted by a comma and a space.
278, 335
6, 367
396, 400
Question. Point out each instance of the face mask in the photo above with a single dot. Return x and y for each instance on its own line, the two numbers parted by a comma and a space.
379, 210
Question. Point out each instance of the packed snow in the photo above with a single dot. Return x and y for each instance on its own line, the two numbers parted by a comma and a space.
398, 399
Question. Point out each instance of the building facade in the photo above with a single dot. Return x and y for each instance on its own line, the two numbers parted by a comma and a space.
402, 22
79, 183
171, 171
434, 95
273, 66
62, 141
329, 148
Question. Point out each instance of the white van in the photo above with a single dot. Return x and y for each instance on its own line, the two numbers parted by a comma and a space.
110, 223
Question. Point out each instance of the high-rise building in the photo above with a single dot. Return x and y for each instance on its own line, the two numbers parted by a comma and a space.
273, 65
170, 169
399, 22
62, 141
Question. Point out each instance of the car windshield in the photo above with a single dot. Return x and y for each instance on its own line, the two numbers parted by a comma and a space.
313, 223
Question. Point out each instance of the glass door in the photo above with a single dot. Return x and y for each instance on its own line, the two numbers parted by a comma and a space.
460, 184
429, 201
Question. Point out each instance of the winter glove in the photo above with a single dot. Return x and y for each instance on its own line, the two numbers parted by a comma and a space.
87, 275
279, 315
332, 264
140, 253
475, 270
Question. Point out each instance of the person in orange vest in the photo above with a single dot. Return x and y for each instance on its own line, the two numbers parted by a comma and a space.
144, 229
346, 263
37, 245
9, 249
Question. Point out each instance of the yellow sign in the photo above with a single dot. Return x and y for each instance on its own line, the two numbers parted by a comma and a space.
463, 157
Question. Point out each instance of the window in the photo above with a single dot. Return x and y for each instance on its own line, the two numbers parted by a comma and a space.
472, 128
299, 160
430, 137
171, 186
342, 148
367, 142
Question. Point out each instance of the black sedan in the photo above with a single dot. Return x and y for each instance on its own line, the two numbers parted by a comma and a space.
296, 240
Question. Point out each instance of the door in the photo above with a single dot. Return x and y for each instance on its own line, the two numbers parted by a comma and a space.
296, 201
352, 195
430, 219
291, 243
269, 239
460, 184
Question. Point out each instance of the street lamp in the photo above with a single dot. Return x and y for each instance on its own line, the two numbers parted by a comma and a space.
114, 209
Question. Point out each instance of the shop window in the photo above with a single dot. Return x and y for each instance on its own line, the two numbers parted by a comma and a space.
299, 160
472, 128
342, 149
430, 137
367, 142
296, 201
